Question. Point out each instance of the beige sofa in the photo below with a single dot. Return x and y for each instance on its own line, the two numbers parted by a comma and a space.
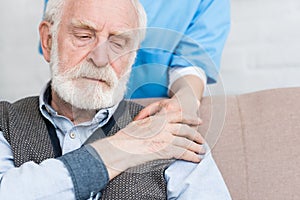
255, 140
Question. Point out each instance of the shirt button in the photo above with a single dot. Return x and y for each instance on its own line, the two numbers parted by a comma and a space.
72, 135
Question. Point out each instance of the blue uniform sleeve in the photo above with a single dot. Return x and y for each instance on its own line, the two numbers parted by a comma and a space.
204, 40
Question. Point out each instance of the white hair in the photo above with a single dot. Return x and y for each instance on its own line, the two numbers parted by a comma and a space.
142, 18
63, 84
53, 14
54, 10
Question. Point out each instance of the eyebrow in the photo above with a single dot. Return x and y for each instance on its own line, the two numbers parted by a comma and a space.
122, 34
86, 24
83, 24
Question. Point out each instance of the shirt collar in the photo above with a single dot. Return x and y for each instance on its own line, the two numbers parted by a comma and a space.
102, 116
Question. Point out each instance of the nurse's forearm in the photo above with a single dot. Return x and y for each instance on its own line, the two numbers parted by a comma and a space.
190, 85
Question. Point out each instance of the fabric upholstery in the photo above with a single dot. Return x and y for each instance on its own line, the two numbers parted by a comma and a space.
255, 141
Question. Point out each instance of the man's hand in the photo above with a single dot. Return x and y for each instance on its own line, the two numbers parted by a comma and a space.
156, 137
162, 130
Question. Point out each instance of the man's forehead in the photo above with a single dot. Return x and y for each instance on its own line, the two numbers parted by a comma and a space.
120, 30
121, 15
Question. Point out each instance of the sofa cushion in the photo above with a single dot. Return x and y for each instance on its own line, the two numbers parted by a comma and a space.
255, 141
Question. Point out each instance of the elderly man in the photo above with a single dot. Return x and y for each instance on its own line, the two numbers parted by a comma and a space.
77, 141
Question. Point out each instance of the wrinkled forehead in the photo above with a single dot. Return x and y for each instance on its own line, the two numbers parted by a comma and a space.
119, 15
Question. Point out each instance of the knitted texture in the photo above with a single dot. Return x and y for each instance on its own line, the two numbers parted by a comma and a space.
24, 128
144, 182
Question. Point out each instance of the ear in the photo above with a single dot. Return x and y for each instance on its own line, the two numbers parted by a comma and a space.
46, 39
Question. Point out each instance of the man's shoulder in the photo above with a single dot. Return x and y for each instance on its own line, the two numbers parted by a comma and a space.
28, 103
21, 103
26, 100
132, 103
23, 100
133, 107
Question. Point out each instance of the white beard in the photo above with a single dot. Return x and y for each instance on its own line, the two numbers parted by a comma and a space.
73, 87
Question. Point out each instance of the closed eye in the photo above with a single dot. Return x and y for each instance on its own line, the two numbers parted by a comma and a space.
117, 44
82, 39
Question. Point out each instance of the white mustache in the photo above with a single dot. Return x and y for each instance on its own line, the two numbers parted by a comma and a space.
90, 71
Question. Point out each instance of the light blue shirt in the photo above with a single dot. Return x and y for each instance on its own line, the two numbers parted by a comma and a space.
51, 179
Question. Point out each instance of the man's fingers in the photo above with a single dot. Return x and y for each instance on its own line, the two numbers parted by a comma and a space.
179, 117
183, 154
192, 120
151, 109
190, 156
189, 145
188, 132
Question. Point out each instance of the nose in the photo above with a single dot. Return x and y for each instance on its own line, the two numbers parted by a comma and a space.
99, 55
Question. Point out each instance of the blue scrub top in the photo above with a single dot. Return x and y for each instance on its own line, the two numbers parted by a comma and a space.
180, 33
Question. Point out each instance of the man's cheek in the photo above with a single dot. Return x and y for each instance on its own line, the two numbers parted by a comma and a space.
119, 69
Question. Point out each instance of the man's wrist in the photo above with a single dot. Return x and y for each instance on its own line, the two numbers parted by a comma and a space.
93, 178
119, 152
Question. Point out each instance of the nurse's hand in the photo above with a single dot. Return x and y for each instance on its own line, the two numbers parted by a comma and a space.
182, 103
185, 99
